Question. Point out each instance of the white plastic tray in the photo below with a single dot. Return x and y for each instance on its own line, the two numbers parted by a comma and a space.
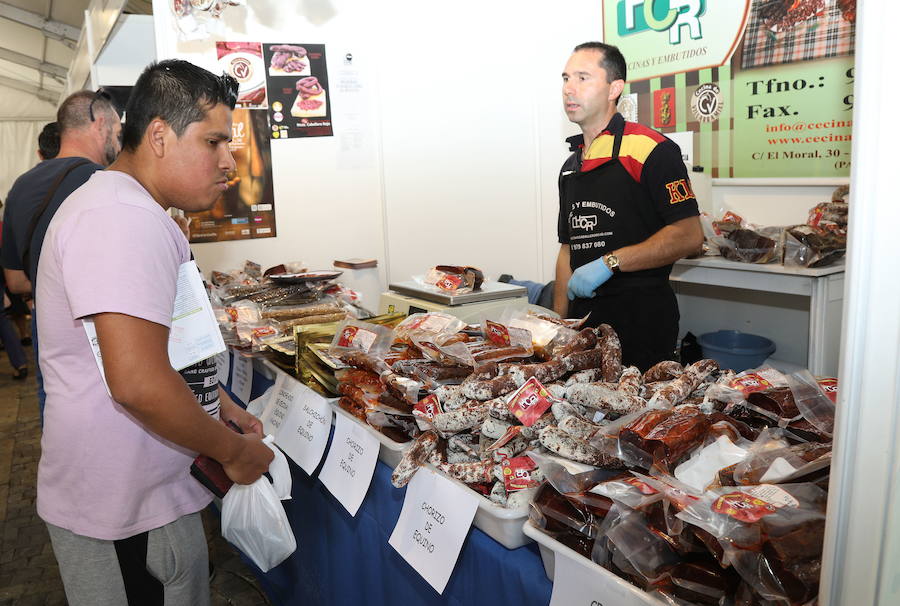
502, 524
389, 452
618, 591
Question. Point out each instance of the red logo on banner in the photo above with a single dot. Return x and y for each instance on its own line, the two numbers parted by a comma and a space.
664, 108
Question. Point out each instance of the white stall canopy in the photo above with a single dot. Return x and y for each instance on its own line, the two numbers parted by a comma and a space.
45, 53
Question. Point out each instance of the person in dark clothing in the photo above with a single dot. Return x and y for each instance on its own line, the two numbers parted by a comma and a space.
89, 131
48, 141
627, 213
9, 336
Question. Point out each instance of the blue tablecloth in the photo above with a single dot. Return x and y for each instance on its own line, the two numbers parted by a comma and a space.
342, 560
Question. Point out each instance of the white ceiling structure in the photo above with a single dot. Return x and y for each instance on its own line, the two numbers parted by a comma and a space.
38, 39
42, 57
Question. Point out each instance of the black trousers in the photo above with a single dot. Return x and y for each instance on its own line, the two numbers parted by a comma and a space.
645, 317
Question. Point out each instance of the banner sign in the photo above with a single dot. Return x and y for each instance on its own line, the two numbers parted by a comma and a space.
660, 37
765, 86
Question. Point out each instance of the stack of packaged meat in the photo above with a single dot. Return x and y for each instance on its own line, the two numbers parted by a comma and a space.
822, 240
696, 483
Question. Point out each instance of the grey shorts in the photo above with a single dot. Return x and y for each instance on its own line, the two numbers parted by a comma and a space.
167, 565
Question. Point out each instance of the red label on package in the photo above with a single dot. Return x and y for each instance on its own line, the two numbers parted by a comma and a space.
645, 488
263, 331
815, 216
517, 473
743, 507
732, 218
829, 386
750, 383
356, 337
497, 334
449, 282
530, 401
428, 407
512, 432
232, 313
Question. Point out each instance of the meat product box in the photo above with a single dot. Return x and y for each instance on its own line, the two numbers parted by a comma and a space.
503, 524
389, 451
618, 591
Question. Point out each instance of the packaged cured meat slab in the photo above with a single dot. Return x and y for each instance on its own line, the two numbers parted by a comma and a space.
389, 451
619, 591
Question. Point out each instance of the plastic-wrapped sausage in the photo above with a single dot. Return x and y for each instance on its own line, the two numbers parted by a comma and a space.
578, 427
494, 428
591, 375
489, 389
543, 372
601, 397
681, 387
498, 409
630, 381
611, 348
556, 440
450, 396
464, 417
586, 339
480, 471
663, 371
402, 388
364, 361
584, 360
414, 456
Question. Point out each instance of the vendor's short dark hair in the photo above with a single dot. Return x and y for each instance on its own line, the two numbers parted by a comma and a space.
613, 61
48, 141
175, 91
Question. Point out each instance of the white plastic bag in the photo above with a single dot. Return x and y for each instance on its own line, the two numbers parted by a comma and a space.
253, 519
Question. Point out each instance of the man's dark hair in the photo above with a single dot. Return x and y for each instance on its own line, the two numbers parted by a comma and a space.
75, 111
48, 141
175, 91
612, 61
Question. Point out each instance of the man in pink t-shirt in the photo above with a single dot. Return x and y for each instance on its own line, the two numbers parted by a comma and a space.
113, 482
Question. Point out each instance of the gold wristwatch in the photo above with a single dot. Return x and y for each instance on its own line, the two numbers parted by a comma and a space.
612, 262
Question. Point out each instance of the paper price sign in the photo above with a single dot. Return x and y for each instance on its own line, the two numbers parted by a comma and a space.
223, 366
348, 470
303, 432
433, 525
242, 377
577, 584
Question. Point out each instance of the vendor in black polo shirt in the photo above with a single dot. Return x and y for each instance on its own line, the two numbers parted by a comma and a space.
626, 213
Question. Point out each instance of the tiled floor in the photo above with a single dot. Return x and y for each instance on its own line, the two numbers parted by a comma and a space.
28, 572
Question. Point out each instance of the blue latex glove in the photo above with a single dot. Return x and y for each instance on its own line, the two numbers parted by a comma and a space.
587, 278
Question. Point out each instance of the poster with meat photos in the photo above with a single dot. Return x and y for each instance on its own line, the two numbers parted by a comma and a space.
244, 62
297, 81
247, 209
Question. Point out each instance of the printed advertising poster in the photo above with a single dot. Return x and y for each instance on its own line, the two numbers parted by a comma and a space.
765, 86
244, 62
247, 209
297, 80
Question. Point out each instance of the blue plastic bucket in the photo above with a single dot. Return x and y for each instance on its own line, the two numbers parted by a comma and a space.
736, 350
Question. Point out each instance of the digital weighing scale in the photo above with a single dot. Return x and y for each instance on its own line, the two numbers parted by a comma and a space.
410, 297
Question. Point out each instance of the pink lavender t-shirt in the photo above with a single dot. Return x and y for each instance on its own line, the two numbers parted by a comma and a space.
109, 248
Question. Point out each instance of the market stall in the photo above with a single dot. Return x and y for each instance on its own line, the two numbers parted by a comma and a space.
386, 198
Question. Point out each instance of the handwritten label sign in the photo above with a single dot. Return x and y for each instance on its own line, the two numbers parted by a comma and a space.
577, 583
303, 432
433, 525
223, 366
242, 377
348, 470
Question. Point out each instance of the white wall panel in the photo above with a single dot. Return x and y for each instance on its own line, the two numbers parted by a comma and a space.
327, 200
